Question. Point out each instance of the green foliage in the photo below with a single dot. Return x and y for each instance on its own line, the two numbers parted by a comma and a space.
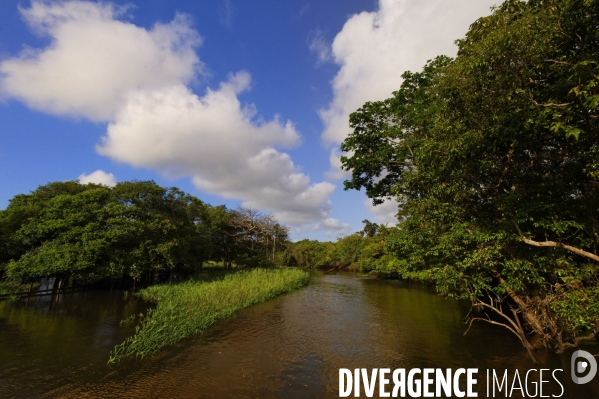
375, 258
10, 287
308, 253
370, 229
94, 231
364, 251
493, 157
135, 229
188, 308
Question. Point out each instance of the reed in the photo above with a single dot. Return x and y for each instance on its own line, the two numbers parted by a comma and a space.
188, 308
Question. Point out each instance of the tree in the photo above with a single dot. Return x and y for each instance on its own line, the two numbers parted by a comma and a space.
162, 233
493, 158
311, 254
375, 258
257, 235
348, 248
93, 231
370, 229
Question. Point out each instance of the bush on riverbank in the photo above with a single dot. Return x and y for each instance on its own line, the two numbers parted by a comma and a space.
189, 308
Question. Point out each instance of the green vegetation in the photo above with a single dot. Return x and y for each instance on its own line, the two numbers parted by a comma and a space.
13, 287
136, 230
188, 308
141, 232
363, 251
494, 158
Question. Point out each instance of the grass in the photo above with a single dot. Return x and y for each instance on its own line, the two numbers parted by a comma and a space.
188, 308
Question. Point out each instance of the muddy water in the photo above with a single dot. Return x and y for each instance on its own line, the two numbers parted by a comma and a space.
289, 347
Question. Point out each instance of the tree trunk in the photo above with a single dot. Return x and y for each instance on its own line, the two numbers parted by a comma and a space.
512, 324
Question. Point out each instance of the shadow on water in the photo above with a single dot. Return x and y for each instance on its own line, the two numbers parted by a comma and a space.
291, 346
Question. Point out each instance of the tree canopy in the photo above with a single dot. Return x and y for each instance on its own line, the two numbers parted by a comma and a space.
493, 157
135, 229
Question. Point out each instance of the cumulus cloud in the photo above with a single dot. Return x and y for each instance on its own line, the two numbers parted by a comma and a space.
332, 224
102, 68
328, 228
94, 59
336, 172
373, 49
98, 177
214, 140
384, 213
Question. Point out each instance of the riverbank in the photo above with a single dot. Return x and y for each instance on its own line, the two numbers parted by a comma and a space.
188, 308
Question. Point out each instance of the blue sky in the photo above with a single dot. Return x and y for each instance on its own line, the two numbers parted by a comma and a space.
233, 101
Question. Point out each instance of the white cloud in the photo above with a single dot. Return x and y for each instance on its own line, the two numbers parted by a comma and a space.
106, 69
98, 177
374, 48
384, 213
325, 229
318, 45
214, 140
94, 59
336, 173
332, 224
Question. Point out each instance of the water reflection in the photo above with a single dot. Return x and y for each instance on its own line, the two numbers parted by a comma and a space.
289, 347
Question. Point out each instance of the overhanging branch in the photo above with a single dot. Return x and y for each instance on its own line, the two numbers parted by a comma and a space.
578, 251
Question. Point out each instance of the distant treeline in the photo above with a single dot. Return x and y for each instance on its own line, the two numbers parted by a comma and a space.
362, 251
134, 231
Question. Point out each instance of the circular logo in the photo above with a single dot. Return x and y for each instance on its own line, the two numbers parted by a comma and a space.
582, 362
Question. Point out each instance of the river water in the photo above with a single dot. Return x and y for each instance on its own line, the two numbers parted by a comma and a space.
289, 347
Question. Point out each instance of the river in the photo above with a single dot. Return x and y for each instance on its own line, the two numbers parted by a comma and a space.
289, 347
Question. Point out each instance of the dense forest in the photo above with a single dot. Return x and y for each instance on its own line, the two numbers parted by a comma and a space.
135, 231
494, 159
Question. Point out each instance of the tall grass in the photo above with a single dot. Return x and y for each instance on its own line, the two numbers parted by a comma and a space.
188, 308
